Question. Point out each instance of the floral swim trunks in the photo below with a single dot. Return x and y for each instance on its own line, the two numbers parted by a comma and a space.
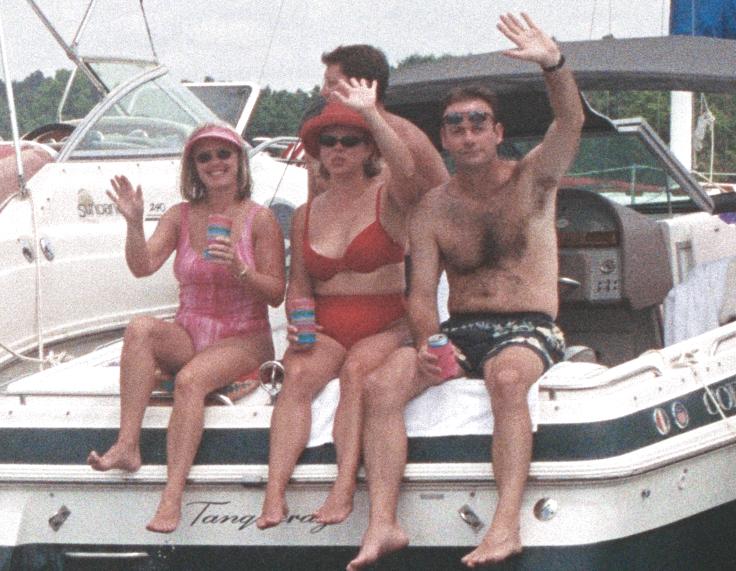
481, 336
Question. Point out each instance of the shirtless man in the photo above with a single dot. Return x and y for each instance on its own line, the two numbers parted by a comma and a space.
492, 227
362, 61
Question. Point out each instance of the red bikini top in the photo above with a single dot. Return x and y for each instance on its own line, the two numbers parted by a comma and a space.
371, 249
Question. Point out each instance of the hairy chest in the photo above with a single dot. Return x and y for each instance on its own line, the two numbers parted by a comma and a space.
488, 238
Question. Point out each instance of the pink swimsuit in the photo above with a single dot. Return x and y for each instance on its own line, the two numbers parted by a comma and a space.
214, 304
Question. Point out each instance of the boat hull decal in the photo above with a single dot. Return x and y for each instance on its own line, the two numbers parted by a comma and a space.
249, 446
703, 541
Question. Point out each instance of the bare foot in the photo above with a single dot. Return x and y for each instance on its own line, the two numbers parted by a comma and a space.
337, 507
497, 545
128, 459
272, 514
377, 542
167, 517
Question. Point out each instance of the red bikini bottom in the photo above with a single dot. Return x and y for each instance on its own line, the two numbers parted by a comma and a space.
350, 318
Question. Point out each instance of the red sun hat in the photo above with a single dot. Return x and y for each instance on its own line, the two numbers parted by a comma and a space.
219, 132
334, 113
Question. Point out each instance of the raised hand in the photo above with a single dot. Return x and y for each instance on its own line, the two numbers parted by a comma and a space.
128, 201
532, 44
358, 94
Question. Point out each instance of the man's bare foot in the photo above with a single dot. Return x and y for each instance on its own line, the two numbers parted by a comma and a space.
272, 514
337, 507
117, 457
497, 545
377, 542
167, 517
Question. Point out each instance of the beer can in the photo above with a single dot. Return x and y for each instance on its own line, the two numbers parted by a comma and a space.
440, 345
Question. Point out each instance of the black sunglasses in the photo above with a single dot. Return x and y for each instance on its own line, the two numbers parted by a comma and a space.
348, 141
475, 117
206, 156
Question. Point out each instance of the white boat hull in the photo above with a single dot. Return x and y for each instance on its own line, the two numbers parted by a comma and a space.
611, 486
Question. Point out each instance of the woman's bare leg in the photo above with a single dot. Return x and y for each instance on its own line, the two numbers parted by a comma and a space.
148, 343
364, 357
306, 373
210, 369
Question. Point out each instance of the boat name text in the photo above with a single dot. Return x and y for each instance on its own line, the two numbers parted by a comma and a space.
155, 209
209, 515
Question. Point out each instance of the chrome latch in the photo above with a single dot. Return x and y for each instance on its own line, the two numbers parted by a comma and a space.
271, 375
467, 514
58, 519
546, 509
47, 248
26, 248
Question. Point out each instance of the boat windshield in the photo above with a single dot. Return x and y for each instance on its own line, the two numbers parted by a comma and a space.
621, 167
113, 73
155, 118
231, 102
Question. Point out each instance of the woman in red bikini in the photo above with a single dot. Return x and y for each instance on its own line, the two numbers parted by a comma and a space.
348, 255
221, 329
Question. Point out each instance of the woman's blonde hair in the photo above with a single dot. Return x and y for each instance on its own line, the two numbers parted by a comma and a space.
190, 185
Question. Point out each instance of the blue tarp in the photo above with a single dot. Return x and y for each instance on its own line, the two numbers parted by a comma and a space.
712, 18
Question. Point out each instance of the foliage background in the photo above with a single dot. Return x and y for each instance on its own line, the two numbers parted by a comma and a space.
279, 112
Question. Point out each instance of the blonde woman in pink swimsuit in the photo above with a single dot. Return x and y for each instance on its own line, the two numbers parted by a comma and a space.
221, 329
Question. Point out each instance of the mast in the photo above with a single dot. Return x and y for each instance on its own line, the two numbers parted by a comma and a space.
681, 127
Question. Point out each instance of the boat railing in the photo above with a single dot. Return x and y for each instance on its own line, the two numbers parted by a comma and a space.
268, 378
720, 342
599, 378
215, 397
287, 146
651, 364
8, 199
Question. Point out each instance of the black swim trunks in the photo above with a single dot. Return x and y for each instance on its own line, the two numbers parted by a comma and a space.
481, 336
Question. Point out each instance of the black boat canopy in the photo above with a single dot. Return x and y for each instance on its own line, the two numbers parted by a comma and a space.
687, 63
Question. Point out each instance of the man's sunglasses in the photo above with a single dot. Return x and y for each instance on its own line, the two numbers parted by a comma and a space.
475, 117
348, 141
206, 156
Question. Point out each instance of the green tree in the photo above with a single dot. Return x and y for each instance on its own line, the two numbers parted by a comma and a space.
418, 59
654, 106
280, 112
37, 99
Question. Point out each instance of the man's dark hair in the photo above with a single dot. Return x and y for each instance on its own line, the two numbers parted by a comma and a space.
468, 92
363, 62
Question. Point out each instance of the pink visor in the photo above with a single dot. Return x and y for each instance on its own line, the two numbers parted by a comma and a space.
219, 132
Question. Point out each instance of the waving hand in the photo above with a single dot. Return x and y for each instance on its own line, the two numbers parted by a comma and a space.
532, 44
128, 201
358, 94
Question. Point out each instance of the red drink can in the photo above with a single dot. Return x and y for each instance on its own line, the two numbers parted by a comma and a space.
440, 345
218, 226
301, 316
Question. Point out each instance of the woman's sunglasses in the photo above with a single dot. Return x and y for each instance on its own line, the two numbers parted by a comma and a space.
206, 156
348, 141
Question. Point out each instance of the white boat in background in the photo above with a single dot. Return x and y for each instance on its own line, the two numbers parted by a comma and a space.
635, 444
61, 240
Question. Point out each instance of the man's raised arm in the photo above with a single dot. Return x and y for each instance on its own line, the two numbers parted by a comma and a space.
554, 155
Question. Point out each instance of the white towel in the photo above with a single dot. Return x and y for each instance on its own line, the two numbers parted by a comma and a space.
693, 306
456, 407
727, 314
